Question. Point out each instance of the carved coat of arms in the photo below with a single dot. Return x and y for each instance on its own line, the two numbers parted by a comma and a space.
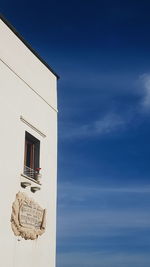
28, 219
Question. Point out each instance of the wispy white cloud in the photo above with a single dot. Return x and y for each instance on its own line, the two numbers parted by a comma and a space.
145, 101
104, 224
101, 223
103, 219
104, 259
112, 121
105, 212
80, 193
109, 123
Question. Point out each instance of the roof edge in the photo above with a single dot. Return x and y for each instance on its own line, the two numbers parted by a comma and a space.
27, 45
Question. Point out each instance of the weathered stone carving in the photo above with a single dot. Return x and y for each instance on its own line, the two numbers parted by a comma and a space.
28, 219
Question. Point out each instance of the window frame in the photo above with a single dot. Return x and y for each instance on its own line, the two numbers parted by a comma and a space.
31, 160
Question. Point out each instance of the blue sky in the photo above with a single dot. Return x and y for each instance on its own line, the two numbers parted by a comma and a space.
101, 50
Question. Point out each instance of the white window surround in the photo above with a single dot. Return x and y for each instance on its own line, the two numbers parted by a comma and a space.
32, 126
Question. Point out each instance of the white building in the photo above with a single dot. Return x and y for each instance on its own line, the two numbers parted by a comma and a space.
28, 141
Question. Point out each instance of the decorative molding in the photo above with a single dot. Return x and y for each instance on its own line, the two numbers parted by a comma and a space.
32, 126
28, 219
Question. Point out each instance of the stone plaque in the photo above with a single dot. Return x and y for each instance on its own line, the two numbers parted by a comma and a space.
31, 215
28, 218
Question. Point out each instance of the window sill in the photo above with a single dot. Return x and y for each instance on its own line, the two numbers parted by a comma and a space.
29, 178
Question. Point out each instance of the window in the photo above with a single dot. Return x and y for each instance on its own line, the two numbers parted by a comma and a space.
32, 155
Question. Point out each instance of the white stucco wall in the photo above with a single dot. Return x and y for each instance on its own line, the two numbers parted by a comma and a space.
28, 89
